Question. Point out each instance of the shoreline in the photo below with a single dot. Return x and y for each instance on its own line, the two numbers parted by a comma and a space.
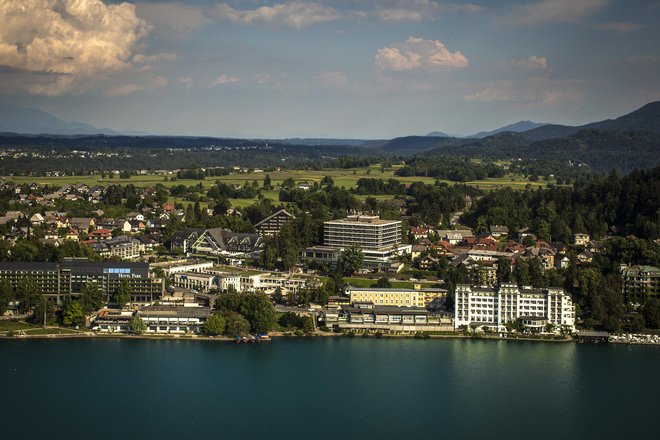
278, 335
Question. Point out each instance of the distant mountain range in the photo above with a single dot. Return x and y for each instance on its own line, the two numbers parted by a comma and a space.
646, 118
438, 134
16, 119
518, 127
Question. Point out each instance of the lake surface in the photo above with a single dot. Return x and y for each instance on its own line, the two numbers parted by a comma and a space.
334, 388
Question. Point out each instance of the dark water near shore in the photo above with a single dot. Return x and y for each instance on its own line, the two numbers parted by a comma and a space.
335, 388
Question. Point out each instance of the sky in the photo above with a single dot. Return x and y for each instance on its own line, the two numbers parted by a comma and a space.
344, 68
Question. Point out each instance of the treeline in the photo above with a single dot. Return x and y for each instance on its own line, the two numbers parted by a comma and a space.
621, 205
449, 168
201, 174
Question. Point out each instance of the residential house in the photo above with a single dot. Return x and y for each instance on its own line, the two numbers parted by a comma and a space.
429, 262
37, 219
83, 224
581, 239
498, 231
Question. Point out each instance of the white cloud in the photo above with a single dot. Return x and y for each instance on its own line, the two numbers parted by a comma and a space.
530, 63
388, 14
335, 78
534, 92
621, 27
173, 16
300, 14
76, 40
153, 83
225, 79
418, 53
139, 58
295, 14
261, 78
186, 81
556, 11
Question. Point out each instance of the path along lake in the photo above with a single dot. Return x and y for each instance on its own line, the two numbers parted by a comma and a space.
326, 388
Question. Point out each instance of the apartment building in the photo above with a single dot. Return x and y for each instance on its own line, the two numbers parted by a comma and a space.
640, 282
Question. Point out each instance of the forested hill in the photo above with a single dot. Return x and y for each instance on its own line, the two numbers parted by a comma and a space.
601, 150
646, 118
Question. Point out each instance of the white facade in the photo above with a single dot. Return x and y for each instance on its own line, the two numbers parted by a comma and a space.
368, 232
202, 282
497, 307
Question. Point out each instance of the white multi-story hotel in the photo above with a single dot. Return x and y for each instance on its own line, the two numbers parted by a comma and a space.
379, 240
366, 231
495, 308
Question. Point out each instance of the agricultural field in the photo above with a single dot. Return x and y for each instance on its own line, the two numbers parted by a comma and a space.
342, 178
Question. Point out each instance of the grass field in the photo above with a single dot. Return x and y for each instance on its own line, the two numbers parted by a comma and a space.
30, 329
342, 178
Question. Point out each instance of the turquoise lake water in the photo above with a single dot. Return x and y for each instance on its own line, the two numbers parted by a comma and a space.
334, 388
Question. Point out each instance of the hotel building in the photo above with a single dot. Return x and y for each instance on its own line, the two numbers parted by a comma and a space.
495, 307
58, 280
379, 240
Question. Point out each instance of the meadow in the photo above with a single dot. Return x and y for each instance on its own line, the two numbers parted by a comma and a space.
342, 178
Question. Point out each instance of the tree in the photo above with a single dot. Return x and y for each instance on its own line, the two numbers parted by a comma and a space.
350, 261
123, 294
215, 325
277, 296
73, 314
27, 294
44, 309
290, 320
267, 182
651, 313
6, 295
503, 270
92, 298
229, 302
259, 311
137, 325
308, 324
289, 183
383, 282
521, 272
236, 324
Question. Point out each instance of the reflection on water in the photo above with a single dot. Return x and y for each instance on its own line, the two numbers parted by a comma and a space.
327, 388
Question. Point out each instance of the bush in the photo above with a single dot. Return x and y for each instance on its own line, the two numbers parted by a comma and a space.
349, 334
324, 328
379, 334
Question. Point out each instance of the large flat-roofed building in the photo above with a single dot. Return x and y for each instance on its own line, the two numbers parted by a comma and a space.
57, 280
640, 282
366, 231
379, 240
495, 307
394, 297
174, 319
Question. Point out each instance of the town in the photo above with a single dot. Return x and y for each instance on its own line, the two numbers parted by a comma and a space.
157, 267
